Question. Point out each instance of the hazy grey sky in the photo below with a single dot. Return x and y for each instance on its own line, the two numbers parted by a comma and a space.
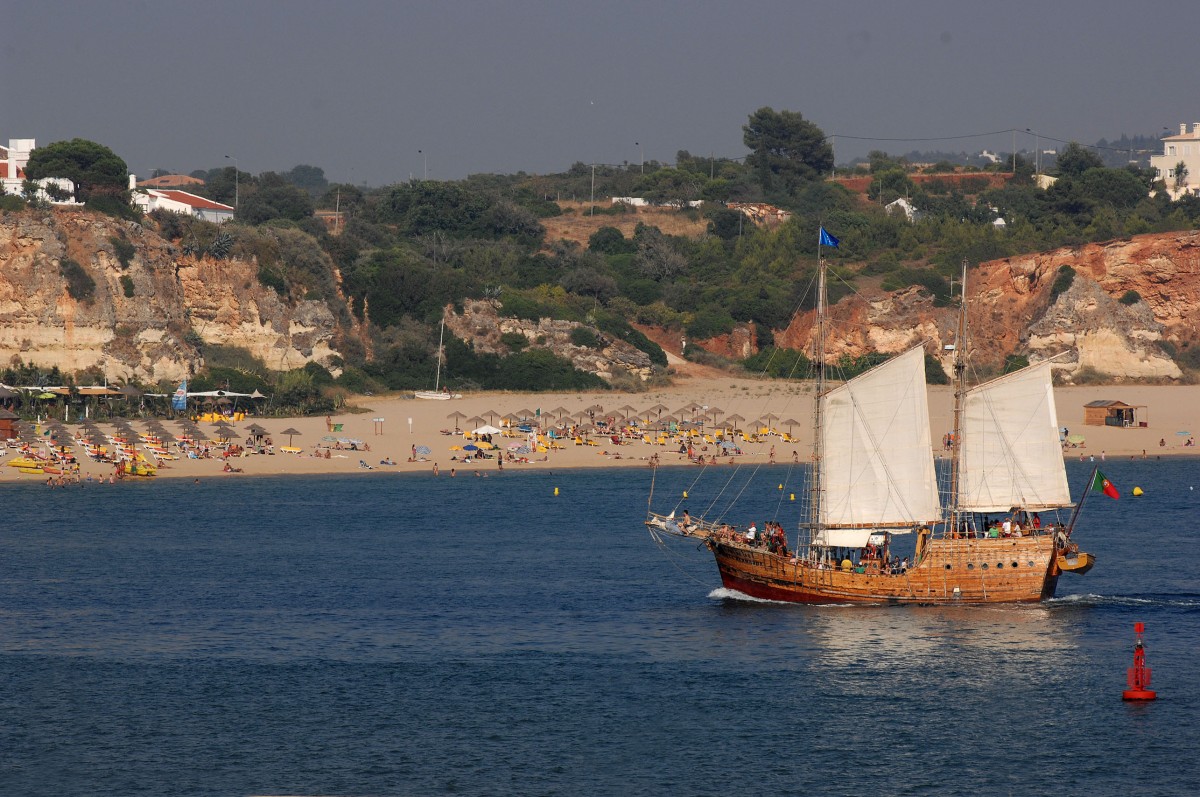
358, 88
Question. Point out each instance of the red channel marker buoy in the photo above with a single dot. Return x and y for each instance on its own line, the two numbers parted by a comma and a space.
1139, 674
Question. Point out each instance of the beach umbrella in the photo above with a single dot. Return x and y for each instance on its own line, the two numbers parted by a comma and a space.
290, 432
470, 447
258, 395
791, 424
423, 450
487, 430
490, 415
734, 419
525, 414
561, 411
256, 430
456, 415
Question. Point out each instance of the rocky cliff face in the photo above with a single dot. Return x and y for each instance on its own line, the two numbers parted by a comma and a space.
482, 325
1011, 311
147, 336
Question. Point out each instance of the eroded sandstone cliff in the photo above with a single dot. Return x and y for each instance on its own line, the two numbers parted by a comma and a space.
177, 300
483, 326
1012, 311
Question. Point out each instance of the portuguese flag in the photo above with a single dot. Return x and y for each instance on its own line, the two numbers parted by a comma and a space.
1101, 484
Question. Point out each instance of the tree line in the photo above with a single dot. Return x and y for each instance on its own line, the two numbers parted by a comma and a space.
403, 252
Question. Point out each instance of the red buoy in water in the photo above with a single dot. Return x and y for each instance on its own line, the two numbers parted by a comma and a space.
1139, 674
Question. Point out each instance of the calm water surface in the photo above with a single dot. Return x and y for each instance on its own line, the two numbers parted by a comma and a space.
388, 635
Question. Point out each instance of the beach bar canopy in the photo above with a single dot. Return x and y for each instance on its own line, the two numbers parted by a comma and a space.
1106, 412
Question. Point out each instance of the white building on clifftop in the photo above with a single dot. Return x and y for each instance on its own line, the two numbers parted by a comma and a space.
1183, 148
12, 174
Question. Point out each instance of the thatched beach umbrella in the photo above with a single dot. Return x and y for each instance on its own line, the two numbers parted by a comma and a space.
290, 432
561, 411
456, 416
735, 419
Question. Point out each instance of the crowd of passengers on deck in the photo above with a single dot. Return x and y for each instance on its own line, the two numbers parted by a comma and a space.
1019, 524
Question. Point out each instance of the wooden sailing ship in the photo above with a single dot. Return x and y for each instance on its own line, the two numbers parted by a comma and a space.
873, 478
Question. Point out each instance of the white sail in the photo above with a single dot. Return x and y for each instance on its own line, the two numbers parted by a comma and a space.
1010, 455
877, 464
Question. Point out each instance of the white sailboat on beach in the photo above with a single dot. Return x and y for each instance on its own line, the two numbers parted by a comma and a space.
439, 393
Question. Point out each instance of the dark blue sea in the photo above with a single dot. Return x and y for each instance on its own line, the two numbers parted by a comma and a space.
412, 635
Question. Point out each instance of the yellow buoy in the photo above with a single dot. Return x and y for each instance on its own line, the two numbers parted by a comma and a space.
685, 493
1137, 491
791, 496
781, 487
556, 491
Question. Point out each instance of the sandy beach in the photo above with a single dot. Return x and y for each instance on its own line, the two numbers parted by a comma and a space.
383, 428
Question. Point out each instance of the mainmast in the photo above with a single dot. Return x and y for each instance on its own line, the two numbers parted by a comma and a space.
960, 390
437, 379
814, 502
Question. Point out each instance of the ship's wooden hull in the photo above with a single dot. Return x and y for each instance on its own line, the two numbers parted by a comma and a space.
1006, 570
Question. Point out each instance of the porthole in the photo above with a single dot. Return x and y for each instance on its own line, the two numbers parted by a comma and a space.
984, 565
947, 567
970, 565
1000, 565
1031, 563
1018, 564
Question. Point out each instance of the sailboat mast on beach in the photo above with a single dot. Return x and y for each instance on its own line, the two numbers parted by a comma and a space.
873, 480
438, 393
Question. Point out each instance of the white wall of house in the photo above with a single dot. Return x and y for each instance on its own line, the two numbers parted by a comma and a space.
1183, 147
16, 156
152, 199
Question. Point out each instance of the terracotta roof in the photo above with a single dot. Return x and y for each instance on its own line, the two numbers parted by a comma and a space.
4, 171
192, 200
169, 181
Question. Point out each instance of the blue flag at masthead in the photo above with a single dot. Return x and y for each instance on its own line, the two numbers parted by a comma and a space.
827, 239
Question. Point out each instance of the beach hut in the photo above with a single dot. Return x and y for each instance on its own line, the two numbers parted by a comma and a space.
1109, 412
